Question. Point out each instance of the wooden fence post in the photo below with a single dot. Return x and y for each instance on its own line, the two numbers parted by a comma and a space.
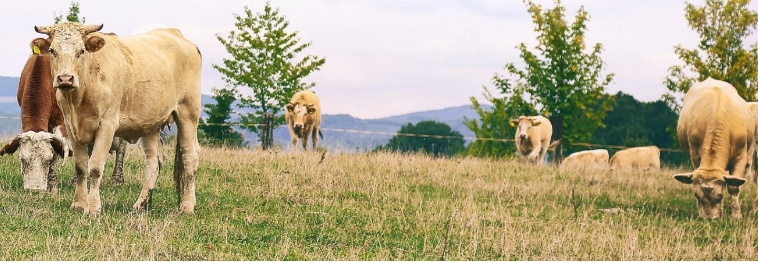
267, 131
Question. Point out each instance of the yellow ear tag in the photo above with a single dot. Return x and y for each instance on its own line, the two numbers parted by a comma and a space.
35, 50
512, 124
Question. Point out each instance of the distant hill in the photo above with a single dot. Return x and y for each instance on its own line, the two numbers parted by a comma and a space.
341, 132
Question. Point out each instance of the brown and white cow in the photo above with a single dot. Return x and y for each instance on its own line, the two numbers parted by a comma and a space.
636, 158
304, 118
717, 130
533, 136
127, 87
587, 160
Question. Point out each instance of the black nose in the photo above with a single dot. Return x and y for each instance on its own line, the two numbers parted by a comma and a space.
522, 136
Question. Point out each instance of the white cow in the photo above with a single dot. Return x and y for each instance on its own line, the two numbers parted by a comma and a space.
533, 137
636, 158
717, 129
586, 160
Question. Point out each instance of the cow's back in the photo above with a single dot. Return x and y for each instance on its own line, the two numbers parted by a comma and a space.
636, 158
586, 160
36, 96
716, 121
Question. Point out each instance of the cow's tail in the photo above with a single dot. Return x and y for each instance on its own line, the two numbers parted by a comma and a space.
320, 135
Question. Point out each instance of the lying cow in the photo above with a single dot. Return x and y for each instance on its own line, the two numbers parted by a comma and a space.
717, 130
533, 137
587, 160
127, 87
636, 158
304, 118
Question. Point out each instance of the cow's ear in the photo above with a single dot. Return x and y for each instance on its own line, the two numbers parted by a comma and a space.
734, 180
94, 43
514, 122
311, 109
11, 147
290, 107
536, 121
58, 148
40, 46
685, 178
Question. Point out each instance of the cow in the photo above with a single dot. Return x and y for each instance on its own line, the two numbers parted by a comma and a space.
752, 173
304, 118
587, 160
533, 137
717, 130
127, 87
636, 158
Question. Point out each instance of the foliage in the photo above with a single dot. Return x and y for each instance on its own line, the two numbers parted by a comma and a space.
215, 131
72, 16
723, 25
448, 142
496, 124
560, 78
263, 63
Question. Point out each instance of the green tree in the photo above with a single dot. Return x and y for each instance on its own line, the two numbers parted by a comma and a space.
72, 16
562, 81
494, 125
215, 130
437, 139
722, 26
263, 61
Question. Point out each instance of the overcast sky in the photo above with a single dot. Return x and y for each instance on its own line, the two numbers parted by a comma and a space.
390, 57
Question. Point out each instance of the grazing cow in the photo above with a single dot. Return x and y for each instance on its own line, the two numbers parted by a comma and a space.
533, 137
717, 130
304, 118
41, 146
586, 160
752, 173
127, 87
636, 158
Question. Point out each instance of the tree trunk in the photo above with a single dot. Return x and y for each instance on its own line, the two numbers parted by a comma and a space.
267, 132
557, 122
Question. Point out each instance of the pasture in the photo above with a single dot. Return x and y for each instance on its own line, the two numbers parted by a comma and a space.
255, 205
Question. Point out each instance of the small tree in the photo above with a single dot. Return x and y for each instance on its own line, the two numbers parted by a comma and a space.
264, 62
73, 14
722, 25
215, 130
448, 142
562, 80
495, 124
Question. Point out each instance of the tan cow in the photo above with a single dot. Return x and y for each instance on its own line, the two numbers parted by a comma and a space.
636, 158
533, 137
716, 128
128, 87
752, 173
304, 118
586, 160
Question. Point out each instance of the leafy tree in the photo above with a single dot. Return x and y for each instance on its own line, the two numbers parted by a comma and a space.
722, 26
215, 130
263, 61
495, 123
451, 144
73, 14
562, 80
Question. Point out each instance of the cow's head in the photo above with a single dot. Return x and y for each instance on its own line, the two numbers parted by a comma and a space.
524, 124
39, 153
298, 113
709, 189
67, 45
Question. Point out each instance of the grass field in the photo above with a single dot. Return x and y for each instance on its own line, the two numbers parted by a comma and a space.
256, 205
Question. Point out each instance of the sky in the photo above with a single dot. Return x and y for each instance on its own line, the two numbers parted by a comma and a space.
391, 57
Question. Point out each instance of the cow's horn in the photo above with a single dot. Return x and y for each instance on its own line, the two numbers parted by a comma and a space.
42, 29
92, 28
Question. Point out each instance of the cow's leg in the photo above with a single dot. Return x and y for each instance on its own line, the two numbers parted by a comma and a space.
186, 161
535, 154
52, 176
734, 191
150, 145
304, 139
314, 134
118, 165
80, 179
294, 137
100, 153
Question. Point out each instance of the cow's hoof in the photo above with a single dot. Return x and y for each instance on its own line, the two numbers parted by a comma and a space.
78, 207
187, 209
737, 216
140, 206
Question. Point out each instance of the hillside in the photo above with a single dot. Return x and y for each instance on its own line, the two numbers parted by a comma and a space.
341, 132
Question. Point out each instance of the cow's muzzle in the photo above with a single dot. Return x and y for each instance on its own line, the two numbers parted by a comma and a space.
522, 136
65, 82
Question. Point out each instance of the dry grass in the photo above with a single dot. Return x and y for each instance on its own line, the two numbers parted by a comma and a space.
256, 205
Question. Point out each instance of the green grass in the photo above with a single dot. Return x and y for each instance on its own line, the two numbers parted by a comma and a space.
255, 205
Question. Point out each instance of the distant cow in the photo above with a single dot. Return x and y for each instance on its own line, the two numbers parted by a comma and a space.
717, 129
752, 173
533, 137
636, 158
127, 87
586, 160
304, 118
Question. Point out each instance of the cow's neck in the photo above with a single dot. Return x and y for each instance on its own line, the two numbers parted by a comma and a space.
37, 97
